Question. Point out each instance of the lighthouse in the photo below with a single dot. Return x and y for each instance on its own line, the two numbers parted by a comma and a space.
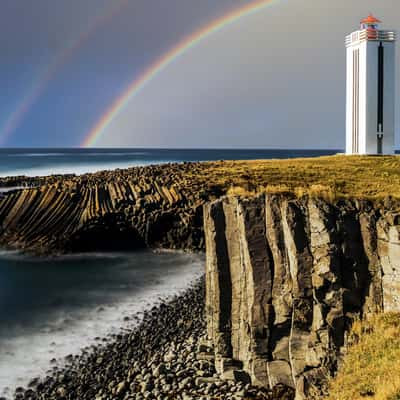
370, 116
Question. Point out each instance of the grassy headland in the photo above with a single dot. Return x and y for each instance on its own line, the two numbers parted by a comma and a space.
337, 176
333, 176
371, 368
161, 205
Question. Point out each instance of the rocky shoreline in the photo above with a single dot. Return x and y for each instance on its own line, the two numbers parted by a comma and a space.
287, 275
162, 205
153, 206
165, 357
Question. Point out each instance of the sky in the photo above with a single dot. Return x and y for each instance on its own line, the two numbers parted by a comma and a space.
272, 79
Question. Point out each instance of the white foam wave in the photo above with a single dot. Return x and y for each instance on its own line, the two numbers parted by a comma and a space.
77, 169
27, 355
9, 188
17, 255
134, 153
80, 154
9, 253
36, 154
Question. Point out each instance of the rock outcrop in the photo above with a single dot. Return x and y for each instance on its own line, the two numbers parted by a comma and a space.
286, 277
161, 205
137, 207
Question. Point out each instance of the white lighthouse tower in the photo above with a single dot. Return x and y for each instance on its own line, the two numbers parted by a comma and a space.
370, 122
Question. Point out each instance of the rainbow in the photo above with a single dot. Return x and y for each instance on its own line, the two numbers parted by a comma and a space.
164, 61
38, 87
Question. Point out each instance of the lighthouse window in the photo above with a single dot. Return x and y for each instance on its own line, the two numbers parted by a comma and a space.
356, 106
370, 26
381, 61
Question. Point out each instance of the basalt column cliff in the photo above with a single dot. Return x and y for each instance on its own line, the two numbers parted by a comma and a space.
285, 279
138, 207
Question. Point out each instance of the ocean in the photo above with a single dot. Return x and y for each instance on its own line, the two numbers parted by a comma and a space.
50, 308
53, 307
40, 162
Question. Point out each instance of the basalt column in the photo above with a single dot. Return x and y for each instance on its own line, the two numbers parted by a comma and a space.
285, 279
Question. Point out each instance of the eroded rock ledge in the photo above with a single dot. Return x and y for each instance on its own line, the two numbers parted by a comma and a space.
123, 209
285, 278
162, 205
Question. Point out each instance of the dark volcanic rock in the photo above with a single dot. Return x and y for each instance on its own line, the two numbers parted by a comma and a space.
287, 277
165, 357
146, 206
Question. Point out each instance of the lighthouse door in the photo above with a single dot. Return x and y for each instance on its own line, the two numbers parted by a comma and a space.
380, 144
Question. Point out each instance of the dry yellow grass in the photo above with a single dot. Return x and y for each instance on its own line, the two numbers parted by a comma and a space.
371, 369
240, 191
333, 177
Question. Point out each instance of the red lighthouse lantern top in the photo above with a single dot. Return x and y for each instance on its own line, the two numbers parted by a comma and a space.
370, 23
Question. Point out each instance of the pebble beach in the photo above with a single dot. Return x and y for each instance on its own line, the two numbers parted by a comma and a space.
164, 357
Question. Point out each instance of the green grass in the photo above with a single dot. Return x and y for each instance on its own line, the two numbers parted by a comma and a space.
371, 368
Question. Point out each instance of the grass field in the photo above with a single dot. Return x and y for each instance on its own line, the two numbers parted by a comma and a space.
334, 176
371, 368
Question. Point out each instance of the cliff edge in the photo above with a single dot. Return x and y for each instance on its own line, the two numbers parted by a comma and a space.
162, 205
286, 278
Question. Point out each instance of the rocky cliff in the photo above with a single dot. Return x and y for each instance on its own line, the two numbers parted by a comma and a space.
123, 209
286, 277
162, 205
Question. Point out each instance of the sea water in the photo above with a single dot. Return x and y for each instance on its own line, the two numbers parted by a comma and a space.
52, 307
39, 162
